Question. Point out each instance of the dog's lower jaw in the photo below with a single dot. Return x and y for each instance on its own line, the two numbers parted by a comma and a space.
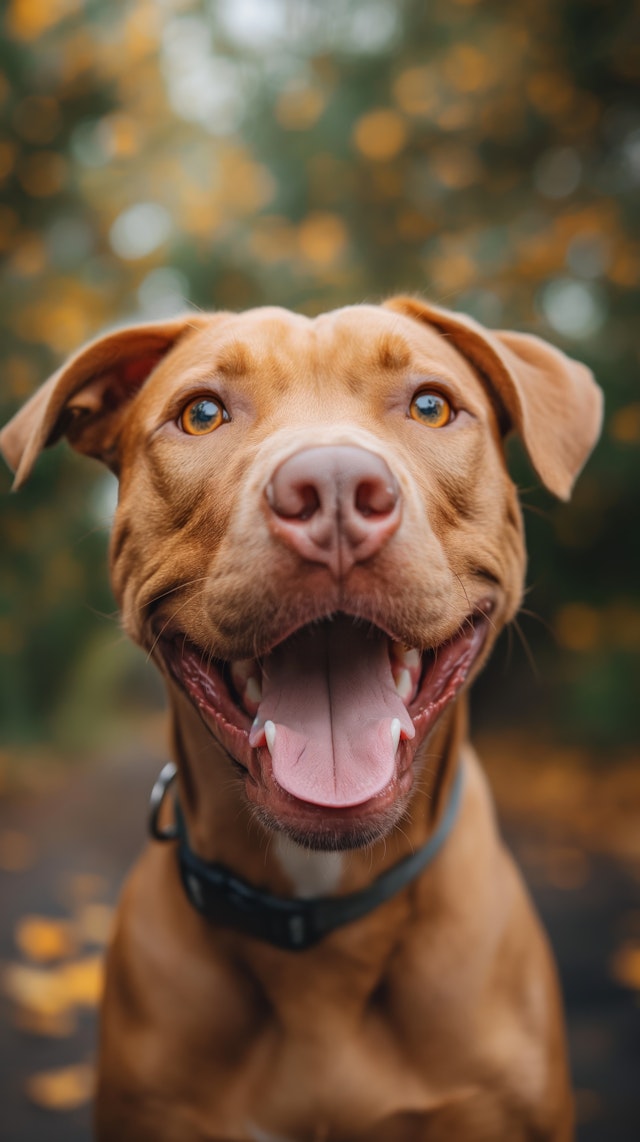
223, 825
331, 838
329, 774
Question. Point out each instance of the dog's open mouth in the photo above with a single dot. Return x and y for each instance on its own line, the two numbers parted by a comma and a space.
332, 717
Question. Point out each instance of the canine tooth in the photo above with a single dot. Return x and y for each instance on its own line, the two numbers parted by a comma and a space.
408, 656
270, 734
253, 690
395, 733
256, 733
404, 684
411, 658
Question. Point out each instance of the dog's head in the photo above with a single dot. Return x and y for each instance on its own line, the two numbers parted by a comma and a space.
316, 536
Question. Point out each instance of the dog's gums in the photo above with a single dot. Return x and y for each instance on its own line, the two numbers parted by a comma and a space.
327, 725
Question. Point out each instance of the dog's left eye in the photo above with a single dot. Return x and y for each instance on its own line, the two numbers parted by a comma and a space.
202, 415
431, 408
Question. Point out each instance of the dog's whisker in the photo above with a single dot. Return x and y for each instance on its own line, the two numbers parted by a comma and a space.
110, 616
102, 525
527, 649
541, 513
538, 618
168, 622
183, 586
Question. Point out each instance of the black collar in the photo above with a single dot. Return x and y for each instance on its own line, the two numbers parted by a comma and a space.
230, 901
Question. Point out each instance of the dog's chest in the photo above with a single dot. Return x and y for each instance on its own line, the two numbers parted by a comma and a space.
325, 1068
323, 1083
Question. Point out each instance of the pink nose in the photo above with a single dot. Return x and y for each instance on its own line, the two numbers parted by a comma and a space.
336, 505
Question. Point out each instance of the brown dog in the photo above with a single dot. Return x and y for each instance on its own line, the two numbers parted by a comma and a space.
318, 541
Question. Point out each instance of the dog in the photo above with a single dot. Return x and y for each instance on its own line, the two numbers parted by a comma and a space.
318, 542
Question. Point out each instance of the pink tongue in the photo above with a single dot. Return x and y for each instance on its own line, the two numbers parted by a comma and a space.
329, 692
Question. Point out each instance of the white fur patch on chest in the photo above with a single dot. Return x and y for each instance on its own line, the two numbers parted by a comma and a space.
311, 873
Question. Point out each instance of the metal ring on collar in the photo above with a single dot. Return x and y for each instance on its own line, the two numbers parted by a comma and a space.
164, 780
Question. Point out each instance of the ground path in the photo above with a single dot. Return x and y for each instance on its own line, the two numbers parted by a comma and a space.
65, 845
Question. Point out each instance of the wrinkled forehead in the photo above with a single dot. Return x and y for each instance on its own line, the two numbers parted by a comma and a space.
358, 348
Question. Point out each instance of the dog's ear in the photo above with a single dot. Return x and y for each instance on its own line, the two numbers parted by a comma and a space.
551, 401
85, 399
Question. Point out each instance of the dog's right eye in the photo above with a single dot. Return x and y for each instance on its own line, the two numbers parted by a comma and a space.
431, 408
202, 415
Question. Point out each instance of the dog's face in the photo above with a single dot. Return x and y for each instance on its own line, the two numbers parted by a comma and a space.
316, 537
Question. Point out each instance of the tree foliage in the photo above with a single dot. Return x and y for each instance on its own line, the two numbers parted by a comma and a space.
237, 152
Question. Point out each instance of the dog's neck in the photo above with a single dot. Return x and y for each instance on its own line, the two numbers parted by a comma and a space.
222, 826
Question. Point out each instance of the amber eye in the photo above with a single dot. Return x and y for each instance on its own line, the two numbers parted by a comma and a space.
431, 409
203, 415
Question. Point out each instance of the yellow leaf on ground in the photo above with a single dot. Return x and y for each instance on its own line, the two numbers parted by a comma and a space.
62, 1089
82, 981
42, 939
94, 923
51, 992
35, 989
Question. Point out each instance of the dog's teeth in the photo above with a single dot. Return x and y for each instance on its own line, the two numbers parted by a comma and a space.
270, 735
256, 733
407, 656
253, 691
395, 733
247, 680
404, 684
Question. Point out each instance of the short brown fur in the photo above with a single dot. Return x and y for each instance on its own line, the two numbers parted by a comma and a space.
436, 1017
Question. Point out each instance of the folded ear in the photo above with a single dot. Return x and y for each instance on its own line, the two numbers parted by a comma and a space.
552, 401
85, 399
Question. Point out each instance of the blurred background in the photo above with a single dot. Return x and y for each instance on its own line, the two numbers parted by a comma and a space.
161, 154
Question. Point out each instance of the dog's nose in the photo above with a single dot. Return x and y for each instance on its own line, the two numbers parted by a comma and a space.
336, 504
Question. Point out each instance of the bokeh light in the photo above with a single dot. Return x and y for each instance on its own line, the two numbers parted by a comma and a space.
236, 152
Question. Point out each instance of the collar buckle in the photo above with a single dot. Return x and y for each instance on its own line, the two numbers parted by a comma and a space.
163, 783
